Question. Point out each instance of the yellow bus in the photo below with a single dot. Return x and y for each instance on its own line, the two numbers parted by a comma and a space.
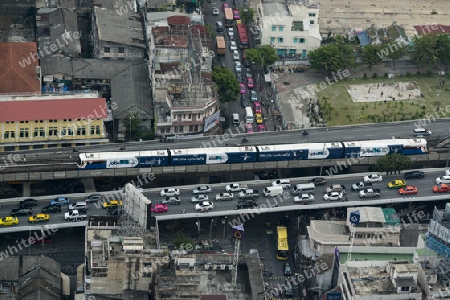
229, 21
282, 243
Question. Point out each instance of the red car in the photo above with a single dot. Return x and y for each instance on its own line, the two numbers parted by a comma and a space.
242, 87
236, 15
249, 128
261, 128
441, 188
159, 208
257, 107
250, 83
225, 5
408, 190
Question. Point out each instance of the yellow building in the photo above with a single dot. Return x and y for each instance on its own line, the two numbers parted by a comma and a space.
44, 122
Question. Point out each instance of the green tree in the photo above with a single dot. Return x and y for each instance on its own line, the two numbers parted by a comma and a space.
265, 55
443, 49
396, 52
393, 163
134, 128
227, 85
370, 55
424, 52
247, 14
331, 58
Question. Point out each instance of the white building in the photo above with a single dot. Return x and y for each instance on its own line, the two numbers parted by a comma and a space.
291, 27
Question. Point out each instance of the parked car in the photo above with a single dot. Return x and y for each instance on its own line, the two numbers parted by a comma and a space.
215, 11
172, 200
318, 181
202, 189
159, 208
373, 178
60, 201
408, 190
199, 198
21, 212
30, 202
51, 209
169, 192
205, 205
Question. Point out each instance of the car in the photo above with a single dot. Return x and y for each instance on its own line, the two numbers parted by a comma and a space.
199, 198
60, 201
233, 46
237, 66
51, 209
246, 204
9, 221
159, 208
225, 5
287, 271
421, 132
172, 200
318, 181
408, 190
202, 189
219, 27
268, 227
215, 11
250, 83
93, 198
415, 175
373, 178
80, 206
261, 128
337, 188
288, 292
333, 196
304, 198
30, 202
248, 128
169, 192
224, 197
205, 205
242, 88
257, 106
253, 96
259, 119
39, 218
441, 188
231, 33
21, 212
396, 184
244, 101
239, 77
112, 204
236, 15
114, 212
248, 73
236, 55
447, 172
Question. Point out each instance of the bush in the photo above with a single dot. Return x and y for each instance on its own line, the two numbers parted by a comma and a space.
429, 73
375, 75
419, 73
365, 76
408, 74
386, 75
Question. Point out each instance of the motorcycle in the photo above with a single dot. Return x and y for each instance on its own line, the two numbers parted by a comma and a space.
244, 140
304, 132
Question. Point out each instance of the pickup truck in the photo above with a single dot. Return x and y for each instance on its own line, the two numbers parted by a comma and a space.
236, 187
248, 194
370, 193
361, 186
74, 215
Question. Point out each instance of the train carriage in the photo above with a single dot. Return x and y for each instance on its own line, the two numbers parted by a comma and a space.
133, 159
408, 146
299, 151
385, 147
208, 156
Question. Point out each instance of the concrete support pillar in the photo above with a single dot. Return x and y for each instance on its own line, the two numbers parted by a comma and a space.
26, 189
203, 179
89, 185
2, 149
16, 148
30, 147
45, 146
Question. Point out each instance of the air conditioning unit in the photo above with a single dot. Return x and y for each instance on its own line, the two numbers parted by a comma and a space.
207, 267
223, 267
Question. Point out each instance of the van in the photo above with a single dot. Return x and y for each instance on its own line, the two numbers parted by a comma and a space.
273, 191
236, 119
219, 26
304, 188
421, 132
284, 183
79, 205
248, 115
443, 179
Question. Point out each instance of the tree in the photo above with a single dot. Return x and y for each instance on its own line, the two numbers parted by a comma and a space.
134, 128
393, 163
443, 49
424, 52
370, 55
227, 85
264, 55
396, 52
331, 58
247, 14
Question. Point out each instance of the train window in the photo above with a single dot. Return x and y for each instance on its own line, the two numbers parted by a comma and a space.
351, 144
335, 144
124, 162
265, 148
248, 149
177, 151
90, 155
160, 153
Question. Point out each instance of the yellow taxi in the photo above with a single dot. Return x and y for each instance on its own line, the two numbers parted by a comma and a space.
9, 221
39, 218
259, 118
112, 204
396, 184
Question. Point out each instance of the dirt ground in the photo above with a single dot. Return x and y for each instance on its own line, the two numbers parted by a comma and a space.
377, 92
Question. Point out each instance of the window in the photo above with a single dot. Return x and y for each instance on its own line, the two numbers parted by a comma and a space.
147, 270
195, 128
95, 130
272, 39
81, 130
23, 132
39, 132
190, 116
9, 134
302, 40
52, 131
280, 28
191, 128
106, 49
311, 15
24, 122
299, 40
274, 28
405, 289
280, 40
311, 22
121, 50
297, 26
67, 131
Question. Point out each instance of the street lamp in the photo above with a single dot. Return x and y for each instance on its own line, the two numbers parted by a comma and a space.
130, 128
210, 230
224, 222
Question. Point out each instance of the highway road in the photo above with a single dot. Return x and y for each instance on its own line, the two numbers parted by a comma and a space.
228, 208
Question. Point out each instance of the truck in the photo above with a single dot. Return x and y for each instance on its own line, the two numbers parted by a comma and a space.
220, 43
74, 215
248, 194
370, 193
359, 186
236, 187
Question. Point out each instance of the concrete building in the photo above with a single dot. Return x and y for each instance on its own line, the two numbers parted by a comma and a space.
291, 27
370, 280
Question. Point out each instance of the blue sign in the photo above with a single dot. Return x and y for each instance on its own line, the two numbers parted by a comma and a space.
355, 216
334, 296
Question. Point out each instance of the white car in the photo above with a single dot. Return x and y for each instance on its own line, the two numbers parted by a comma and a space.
224, 197
236, 55
205, 205
199, 198
215, 11
447, 172
233, 46
230, 32
171, 200
237, 66
248, 73
333, 196
202, 189
373, 178
304, 198
169, 192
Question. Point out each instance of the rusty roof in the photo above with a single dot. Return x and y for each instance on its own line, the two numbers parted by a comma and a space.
178, 20
432, 29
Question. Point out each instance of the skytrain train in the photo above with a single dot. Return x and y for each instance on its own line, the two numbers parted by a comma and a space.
249, 154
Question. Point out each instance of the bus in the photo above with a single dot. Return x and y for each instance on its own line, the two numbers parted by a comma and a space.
282, 243
229, 20
243, 36
220, 43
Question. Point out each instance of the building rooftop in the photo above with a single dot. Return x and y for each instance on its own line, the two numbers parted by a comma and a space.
18, 72
275, 9
171, 37
51, 65
368, 214
432, 29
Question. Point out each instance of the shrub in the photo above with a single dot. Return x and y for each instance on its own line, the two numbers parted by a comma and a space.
385, 75
374, 75
365, 76
419, 73
408, 74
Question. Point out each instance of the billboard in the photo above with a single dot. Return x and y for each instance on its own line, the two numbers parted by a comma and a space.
137, 205
212, 121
